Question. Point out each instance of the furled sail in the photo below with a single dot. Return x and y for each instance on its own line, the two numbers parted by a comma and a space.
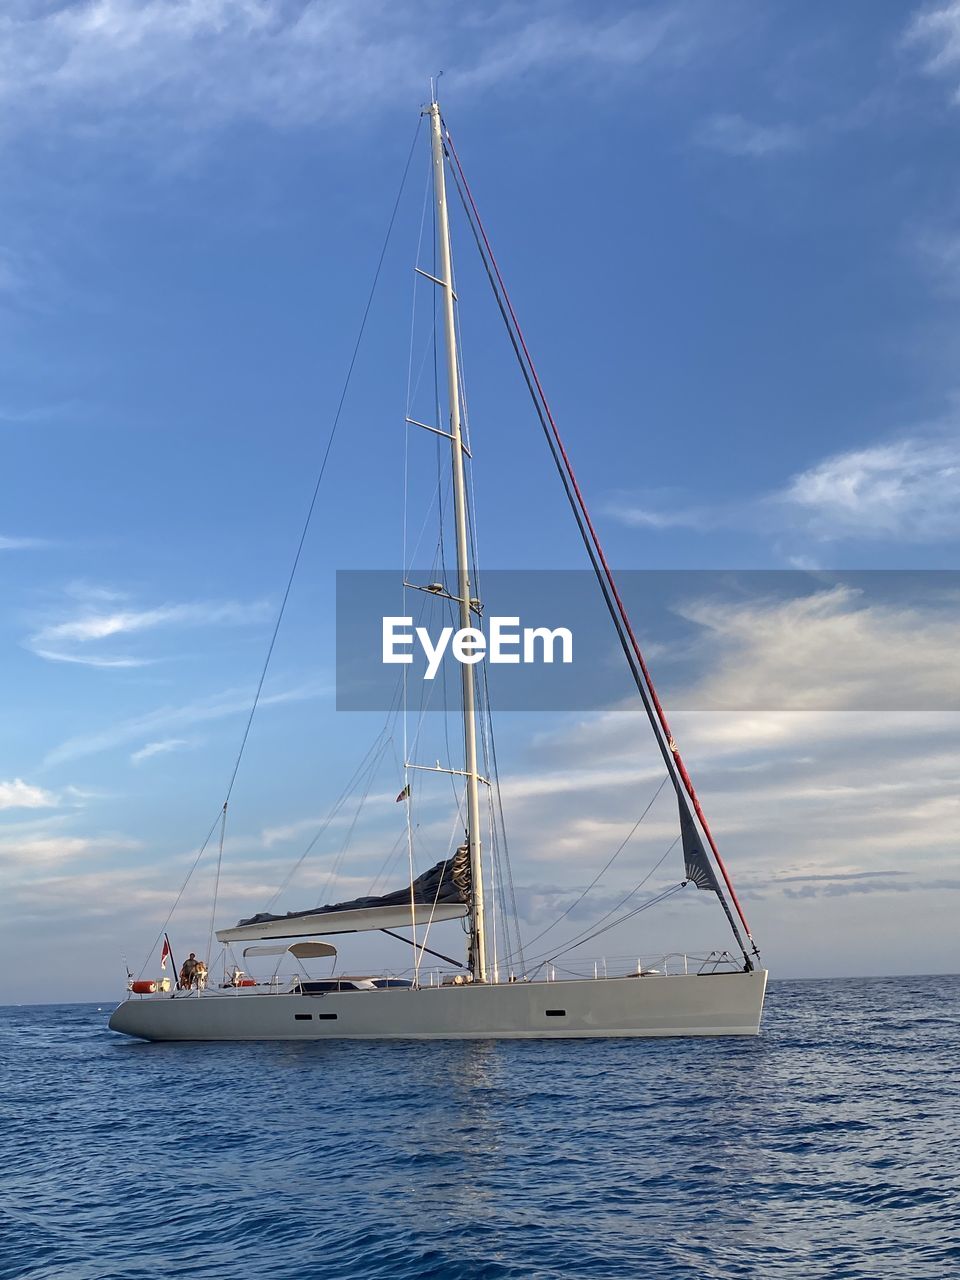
697, 866
442, 893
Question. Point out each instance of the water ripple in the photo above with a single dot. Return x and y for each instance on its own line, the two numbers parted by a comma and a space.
827, 1148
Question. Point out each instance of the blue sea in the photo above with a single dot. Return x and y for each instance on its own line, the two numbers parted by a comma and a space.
827, 1147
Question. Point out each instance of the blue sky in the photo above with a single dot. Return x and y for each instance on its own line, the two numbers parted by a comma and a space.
733, 237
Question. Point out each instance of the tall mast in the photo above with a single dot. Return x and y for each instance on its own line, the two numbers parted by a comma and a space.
463, 557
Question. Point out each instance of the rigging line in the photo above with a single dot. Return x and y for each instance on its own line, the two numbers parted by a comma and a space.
490, 746
303, 535
387, 862
407, 797
437, 408
427, 688
617, 906
621, 608
428, 512
571, 497
415, 386
409, 401
216, 883
609, 864
665, 746
408, 806
368, 783
323, 466
630, 894
644, 906
498, 836
565, 481
426, 933
352, 782
498, 840
183, 889
447, 606
509, 947
413, 308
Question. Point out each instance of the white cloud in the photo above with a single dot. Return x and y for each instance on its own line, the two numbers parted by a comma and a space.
207, 62
21, 795
938, 248
43, 850
791, 796
936, 28
832, 650
71, 641
661, 509
22, 544
163, 747
825, 801
907, 489
11, 274
34, 413
218, 707
560, 39
736, 136
903, 490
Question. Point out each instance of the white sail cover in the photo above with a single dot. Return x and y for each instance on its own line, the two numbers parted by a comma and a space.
442, 893
326, 922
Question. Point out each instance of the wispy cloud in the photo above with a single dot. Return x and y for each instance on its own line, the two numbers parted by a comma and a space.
166, 719
830, 650
79, 639
21, 795
661, 509
22, 544
904, 489
936, 29
795, 795
27, 853
11, 275
29, 414
161, 748
736, 136
209, 62
936, 246
563, 38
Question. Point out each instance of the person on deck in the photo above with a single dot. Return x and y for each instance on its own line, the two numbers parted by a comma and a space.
188, 971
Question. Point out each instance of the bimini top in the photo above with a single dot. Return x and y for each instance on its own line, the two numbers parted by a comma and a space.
301, 950
442, 893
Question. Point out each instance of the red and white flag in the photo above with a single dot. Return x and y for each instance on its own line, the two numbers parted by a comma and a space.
165, 953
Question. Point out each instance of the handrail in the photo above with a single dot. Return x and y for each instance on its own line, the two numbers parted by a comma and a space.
602, 968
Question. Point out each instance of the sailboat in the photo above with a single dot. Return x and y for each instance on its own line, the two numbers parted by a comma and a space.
720, 993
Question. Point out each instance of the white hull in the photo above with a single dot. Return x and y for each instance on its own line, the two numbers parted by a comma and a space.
719, 1004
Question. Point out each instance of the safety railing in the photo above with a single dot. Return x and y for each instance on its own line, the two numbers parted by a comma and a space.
656, 965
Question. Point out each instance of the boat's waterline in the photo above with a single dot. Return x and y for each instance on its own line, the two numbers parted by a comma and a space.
719, 1004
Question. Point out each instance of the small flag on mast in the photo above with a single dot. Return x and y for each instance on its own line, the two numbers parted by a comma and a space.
404, 794
165, 953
